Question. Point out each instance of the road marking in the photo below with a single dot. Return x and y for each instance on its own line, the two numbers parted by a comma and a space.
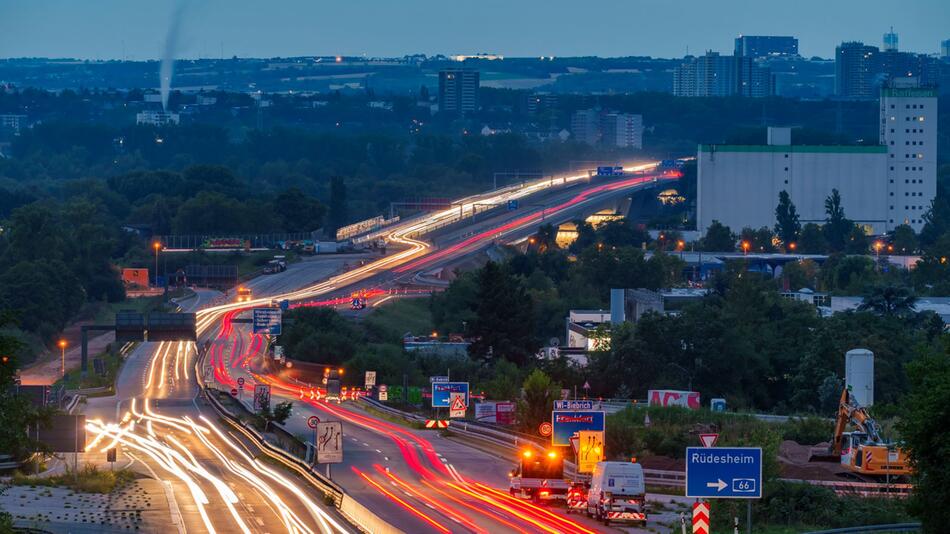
386, 458
365, 444
259, 520
379, 451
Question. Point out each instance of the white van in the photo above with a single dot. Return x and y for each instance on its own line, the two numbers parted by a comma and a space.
617, 492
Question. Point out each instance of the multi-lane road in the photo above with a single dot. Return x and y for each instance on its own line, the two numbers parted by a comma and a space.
416, 480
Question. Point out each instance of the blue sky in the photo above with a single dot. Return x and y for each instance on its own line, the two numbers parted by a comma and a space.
103, 29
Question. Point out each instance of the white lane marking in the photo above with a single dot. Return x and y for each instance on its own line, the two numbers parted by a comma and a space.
259, 520
379, 451
386, 458
365, 444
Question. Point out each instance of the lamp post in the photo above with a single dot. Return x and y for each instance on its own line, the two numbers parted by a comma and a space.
62, 348
745, 248
157, 246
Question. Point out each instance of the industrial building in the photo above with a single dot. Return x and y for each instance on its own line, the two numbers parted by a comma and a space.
881, 186
156, 118
458, 91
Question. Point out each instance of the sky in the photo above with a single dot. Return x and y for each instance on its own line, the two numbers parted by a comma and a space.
136, 29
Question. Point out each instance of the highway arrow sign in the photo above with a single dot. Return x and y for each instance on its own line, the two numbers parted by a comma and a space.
724, 472
701, 518
708, 440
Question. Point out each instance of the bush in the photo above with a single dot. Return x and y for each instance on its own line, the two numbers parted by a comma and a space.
807, 430
89, 479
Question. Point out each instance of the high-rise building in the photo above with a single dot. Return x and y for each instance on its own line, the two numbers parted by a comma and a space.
458, 91
945, 49
890, 41
766, 45
855, 70
909, 130
717, 75
585, 126
623, 130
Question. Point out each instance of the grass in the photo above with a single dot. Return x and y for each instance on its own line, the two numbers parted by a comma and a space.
104, 312
89, 479
400, 315
112, 361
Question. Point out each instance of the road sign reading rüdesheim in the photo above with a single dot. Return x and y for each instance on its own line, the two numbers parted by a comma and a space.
724, 472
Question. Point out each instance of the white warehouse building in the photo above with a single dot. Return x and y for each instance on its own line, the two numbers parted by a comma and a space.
881, 186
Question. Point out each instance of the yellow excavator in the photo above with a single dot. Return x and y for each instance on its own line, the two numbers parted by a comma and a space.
864, 451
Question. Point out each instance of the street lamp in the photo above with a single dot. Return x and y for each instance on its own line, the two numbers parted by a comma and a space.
62, 348
157, 246
792, 246
745, 247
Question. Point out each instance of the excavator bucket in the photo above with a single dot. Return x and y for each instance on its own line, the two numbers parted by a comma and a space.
823, 454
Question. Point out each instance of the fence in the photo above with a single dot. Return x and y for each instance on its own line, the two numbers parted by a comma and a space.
240, 241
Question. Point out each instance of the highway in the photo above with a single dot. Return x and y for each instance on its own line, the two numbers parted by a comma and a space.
417, 480
414, 479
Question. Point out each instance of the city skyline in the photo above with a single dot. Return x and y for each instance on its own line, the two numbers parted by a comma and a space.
109, 29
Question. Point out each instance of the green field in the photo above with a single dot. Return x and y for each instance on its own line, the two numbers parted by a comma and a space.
398, 316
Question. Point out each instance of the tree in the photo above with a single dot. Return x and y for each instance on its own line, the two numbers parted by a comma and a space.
16, 412
338, 212
923, 426
546, 238
502, 312
538, 400
718, 238
300, 212
889, 300
904, 240
837, 227
858, 241
812, 240
787, 225
759, 240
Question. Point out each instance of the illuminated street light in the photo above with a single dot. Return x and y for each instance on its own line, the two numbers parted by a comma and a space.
792, 246
745, 247
62, 347
158, 247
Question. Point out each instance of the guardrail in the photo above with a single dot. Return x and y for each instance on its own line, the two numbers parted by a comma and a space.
355, 512
896, 527
863, 489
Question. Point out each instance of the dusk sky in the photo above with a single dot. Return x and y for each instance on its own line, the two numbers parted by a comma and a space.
105, 29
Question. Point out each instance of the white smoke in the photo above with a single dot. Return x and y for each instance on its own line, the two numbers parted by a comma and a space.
167, 70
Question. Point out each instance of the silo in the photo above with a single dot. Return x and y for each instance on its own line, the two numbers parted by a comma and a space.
859, 375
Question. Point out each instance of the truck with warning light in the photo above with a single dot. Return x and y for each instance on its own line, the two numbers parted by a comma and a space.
539, 477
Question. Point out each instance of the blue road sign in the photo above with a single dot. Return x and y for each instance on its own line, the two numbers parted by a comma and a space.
512, 205
609, 171
285, 305
573, 405
267, 321
566, 423
724, 472
442, 393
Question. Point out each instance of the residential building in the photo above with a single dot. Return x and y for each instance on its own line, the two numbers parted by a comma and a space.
860, 70
945, 49
12, 123
766, 45
585, 126
717, 75
156, 118
909, 131
623, 130
855, 70
458, 91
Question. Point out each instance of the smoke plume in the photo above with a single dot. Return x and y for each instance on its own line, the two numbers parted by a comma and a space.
167, 70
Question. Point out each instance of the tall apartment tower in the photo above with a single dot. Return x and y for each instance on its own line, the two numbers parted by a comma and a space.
909, 130
855, 70
945, 49
458, 91
890, 41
